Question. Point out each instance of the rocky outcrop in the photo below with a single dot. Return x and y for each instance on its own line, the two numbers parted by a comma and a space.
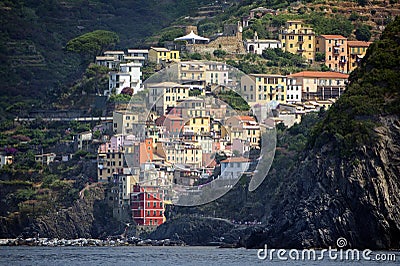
331, 197
204, 231
89, 217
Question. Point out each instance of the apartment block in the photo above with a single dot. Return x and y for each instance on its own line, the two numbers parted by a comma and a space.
263, 88
318, 85
297, 38
335, 49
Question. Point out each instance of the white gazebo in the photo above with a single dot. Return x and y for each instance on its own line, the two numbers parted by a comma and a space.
193, 38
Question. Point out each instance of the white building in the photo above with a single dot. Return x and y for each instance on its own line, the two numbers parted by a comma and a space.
6, 160
257, 46
234, 167
217, 73
129, 76
293, 90
137, 56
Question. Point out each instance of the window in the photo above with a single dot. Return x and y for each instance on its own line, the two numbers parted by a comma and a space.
291, 45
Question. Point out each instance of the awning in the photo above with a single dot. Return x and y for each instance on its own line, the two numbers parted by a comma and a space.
192, 37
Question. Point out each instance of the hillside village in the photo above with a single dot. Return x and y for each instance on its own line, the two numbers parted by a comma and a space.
188, 136
193, 129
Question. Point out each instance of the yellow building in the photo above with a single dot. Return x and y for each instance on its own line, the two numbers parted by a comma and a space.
296, 38
198, 125
124, 121
164, 96
192, 72
263, 88
184, 154
356, 51
161, 54
244, 128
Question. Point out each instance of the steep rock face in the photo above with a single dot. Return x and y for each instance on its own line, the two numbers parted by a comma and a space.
89, 217
193, 231
332, 197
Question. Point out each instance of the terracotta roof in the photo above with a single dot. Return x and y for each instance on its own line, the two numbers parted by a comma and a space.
358, 43
333, 36
320, 74
268, 75
246, 118
236, 160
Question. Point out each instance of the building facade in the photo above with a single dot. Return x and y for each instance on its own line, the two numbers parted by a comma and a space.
318, 85
296, 38
335, 49
147, 204
356, 52
264, 88
257, 46
160, 55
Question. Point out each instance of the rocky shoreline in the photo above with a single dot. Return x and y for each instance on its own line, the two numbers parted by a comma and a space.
88, 242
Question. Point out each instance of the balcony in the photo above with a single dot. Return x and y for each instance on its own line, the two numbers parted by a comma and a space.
336, 51
301, 50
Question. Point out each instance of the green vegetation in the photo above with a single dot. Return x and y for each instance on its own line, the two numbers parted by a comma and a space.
363, 33
34, 37
373, 92
219, 53
277, 57
114, 98
93, 43
234, 100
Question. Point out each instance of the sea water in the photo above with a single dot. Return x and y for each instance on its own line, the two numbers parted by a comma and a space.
151, 255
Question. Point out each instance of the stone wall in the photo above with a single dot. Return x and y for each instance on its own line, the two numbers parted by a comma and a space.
230, 44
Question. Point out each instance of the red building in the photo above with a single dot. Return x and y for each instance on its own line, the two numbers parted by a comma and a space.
147, 204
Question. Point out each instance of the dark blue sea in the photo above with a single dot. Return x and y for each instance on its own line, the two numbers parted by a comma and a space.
134, 255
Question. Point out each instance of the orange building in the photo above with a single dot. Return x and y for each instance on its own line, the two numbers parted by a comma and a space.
335, 49
143, 152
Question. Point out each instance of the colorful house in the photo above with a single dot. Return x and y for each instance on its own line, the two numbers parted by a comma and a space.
335, 49
319, 85
147, 204
296, 38
356, 51
159, 55
263, 88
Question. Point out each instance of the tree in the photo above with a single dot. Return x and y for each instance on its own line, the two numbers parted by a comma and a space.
93, 43
219, 53
319, 57
363, 33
